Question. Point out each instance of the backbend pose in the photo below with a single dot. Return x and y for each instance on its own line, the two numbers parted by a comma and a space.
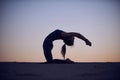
68, 39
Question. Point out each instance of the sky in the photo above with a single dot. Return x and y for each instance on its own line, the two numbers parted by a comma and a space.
24, 24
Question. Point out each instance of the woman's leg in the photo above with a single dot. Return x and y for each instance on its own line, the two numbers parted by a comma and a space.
48, 55
47, 52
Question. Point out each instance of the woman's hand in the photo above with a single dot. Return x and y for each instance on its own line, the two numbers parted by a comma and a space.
88, 42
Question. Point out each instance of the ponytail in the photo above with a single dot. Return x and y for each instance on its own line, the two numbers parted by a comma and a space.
63, 51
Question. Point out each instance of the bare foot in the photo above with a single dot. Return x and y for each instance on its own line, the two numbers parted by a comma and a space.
68, 60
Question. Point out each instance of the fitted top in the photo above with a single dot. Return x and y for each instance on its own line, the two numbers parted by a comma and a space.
55, 35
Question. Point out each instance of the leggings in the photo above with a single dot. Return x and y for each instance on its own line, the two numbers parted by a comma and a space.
47, 52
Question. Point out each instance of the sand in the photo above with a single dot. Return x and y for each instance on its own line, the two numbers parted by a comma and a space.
59, 71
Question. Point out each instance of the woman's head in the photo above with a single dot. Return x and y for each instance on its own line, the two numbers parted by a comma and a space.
69, 41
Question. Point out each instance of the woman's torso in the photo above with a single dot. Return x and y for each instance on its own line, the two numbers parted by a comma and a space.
55, 35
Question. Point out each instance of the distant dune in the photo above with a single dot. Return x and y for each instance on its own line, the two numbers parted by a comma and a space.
59, 71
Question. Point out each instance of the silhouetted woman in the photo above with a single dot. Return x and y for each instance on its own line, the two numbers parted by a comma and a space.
68, 39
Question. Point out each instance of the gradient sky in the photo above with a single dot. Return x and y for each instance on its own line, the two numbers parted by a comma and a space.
25, 24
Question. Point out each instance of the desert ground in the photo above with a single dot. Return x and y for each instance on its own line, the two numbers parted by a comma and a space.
59, 71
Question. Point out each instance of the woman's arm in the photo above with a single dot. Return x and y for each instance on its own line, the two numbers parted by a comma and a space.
78, 35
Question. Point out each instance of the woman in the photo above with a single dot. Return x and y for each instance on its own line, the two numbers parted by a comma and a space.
68, 39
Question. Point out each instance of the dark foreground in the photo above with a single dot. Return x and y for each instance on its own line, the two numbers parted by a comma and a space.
71, 71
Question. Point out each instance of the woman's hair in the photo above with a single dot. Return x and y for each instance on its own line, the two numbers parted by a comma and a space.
63, 50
